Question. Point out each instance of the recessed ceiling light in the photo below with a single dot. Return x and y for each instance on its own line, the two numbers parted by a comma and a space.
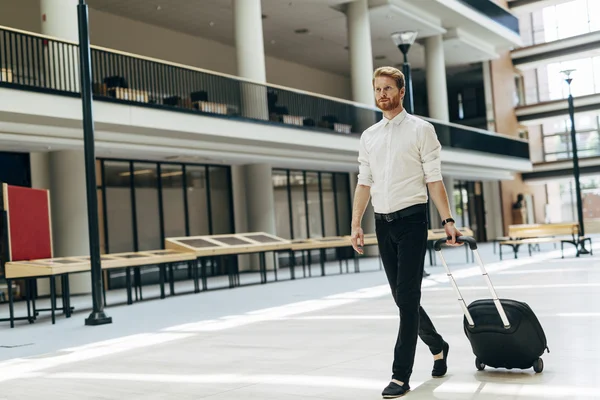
211, 23
158, 8
272, 41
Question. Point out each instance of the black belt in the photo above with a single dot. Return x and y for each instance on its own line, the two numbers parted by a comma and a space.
405, 212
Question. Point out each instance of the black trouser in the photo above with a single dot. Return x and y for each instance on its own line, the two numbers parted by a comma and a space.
402, 245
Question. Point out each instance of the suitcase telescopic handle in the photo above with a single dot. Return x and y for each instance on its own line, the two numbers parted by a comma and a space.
459, 239
473, 245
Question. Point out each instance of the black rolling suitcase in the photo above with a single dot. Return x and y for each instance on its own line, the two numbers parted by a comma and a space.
503, 333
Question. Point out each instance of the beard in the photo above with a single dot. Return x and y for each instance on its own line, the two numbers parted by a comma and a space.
390, 104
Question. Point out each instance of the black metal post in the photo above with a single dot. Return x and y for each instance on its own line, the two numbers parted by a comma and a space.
408, 96
582, 249
97, 317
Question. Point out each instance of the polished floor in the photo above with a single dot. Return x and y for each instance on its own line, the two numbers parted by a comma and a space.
322, 338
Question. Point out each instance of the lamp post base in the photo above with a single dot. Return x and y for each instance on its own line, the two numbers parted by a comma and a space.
98, 318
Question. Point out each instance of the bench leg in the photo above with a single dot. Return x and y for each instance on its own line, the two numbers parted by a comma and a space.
303, 264
292, 265
500, 251
203, 273
27, 298
171, 280
322, 260
263, 268
161, 280
562, 249
128, 284
138, 272
11, 309
33, 296
194, 266
53, 298
275, 265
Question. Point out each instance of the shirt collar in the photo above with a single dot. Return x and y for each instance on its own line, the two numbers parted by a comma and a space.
396, 120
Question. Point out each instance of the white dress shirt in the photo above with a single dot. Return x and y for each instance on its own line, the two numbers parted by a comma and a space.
397, 158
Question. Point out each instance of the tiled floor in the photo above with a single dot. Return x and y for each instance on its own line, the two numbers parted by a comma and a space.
323, 338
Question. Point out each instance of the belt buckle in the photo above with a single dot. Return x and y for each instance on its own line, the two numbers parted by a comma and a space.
388, 218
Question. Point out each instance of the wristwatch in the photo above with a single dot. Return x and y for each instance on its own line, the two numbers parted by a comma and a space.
444, 222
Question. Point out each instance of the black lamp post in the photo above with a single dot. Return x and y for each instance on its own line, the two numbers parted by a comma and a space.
404, 40
567, 73
97, 317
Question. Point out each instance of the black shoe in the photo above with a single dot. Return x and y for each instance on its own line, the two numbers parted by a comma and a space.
393, 390
440, 367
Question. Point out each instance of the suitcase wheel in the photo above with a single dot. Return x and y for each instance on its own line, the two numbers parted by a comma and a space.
538, 365
480, 366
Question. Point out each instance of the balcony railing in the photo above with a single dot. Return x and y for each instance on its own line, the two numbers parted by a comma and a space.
35, 62
495, 12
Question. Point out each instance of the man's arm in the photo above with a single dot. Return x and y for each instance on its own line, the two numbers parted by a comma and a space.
438, 194
430, 157
362, 194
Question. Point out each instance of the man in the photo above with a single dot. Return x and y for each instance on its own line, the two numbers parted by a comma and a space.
399, 159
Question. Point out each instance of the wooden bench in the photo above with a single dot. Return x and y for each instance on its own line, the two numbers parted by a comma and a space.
536, 234
62, 267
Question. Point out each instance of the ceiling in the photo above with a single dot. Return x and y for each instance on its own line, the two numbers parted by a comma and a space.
324, 45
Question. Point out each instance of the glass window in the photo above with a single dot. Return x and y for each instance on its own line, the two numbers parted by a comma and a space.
594, 13
197, 200
282, 204
571, 18
172, 197
596, 63
314, 205
118, 206
299, 217
221, 208
329, 214
145, 178
566, 20
342, 188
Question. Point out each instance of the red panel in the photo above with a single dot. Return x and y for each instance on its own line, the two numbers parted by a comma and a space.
29, 224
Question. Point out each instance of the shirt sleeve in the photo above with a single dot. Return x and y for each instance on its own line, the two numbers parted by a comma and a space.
430, 154
364, 169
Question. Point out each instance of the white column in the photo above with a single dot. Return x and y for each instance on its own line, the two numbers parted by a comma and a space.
59, 20
437, 90
361, 52
40, 179
490, 115
361, 70
250, 56
249, 39
69, 211
240, 211
493, 209
260, 203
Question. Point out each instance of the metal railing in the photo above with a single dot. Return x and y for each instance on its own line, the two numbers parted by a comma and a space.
39, 63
